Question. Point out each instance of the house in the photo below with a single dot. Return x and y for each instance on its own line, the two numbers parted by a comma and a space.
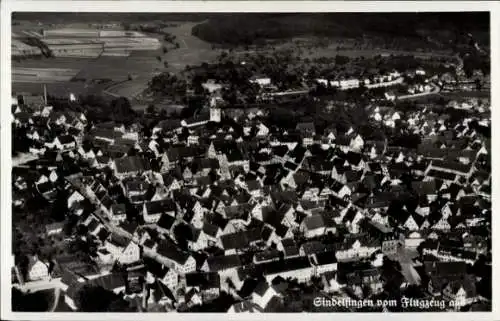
263, 294
170, 255
390, 241
261, 80
356, 144
299, 268
118, 213
207, 283
451, 280
64, 142
357, 248
122, 249
324, 262
317, 225
170, 182
461, 291
223, 264
329, 280
112, 282
37, 270
54, 228
355, 275
152, 211
450, 167
340, 190
240, 240
288, 247
129, 166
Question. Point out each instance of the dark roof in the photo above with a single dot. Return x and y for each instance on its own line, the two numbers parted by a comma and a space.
169, 250
129, 164
267, 255
456, 166
325, 258
166, 221
93, 224
218, 263
156, 268
275, 267
66, 139
109, 282
441, 175
129, 227
210, 229
118, 240
149, 243
203, 280
261, 288
444, 269
103, 234
424, 188
157, 207
118, 209
240, 240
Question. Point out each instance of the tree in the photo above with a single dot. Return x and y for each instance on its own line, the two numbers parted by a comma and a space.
165, 64
151, 109
341, 60
121, 110
165, 50
158, 58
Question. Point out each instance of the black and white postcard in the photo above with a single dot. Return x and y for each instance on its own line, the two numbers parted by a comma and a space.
247, 158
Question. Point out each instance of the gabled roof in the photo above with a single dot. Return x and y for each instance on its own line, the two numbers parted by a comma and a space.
129, 164
66, 139
170, 250
218, 263
210, 229
118, 240
314, 221
166, 221
240, 240
424, 188
449, 165
445, 269
129, 227
203, 280
158, 207
274, 267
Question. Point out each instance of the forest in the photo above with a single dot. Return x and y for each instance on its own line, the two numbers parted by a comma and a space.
246, 29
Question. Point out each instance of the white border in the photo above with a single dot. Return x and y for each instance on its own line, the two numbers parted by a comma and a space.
9, 6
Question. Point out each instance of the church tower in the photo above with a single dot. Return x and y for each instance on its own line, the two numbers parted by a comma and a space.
215, 111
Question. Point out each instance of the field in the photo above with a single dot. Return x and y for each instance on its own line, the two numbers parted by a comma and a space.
124, 75
192, 51
43, 75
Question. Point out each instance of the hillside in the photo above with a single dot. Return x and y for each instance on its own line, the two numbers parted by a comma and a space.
245, 28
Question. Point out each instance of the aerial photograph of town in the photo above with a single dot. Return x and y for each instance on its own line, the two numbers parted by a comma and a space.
251, 162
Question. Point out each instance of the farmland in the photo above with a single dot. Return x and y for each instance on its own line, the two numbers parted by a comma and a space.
112, 73
42, 75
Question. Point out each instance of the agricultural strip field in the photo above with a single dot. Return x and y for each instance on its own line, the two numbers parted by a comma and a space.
42, 75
